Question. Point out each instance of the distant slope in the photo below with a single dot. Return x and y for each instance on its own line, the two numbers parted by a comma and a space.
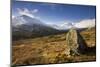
78, 25
25, 27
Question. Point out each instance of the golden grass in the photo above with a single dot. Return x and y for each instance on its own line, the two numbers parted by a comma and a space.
48, 49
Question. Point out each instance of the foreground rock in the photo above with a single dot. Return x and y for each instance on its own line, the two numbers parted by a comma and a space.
75, 42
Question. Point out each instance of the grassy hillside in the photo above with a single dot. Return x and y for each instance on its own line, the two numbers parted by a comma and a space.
90, 36
50, 49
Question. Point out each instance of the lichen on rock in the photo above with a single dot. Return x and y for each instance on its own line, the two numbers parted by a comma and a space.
72, 41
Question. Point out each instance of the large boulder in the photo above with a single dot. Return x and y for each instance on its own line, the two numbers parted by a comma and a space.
75, 42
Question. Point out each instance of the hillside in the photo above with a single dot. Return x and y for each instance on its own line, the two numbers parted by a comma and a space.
51, 49
31, 27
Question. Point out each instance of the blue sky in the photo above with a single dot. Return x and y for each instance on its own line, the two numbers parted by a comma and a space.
54, 13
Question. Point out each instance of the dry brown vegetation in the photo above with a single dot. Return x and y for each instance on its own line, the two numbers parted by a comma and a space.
89, 35
49, 49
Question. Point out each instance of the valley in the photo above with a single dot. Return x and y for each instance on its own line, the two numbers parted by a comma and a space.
51, 49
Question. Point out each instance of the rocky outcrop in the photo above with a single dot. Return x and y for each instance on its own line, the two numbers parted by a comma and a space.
75, 42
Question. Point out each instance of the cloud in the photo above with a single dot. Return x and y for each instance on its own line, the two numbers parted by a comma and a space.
25, 11
35, 11
85, 23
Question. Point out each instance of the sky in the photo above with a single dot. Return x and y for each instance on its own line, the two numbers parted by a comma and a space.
53, 13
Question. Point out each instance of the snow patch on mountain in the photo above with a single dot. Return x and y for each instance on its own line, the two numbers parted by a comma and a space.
62, 26
87, 23
26, 20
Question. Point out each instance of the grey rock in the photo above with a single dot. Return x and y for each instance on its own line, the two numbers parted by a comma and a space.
75, 42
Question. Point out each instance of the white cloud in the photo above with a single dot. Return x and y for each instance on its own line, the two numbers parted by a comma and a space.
25, 11
85, 23
35, 11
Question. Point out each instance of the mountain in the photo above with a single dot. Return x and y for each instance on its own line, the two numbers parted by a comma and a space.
88, 23
25, 26
63, 26
24, 19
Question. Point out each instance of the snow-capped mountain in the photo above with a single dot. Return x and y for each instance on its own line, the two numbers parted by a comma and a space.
25, 26
19, 20
78, 25
63, 26
24, 22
